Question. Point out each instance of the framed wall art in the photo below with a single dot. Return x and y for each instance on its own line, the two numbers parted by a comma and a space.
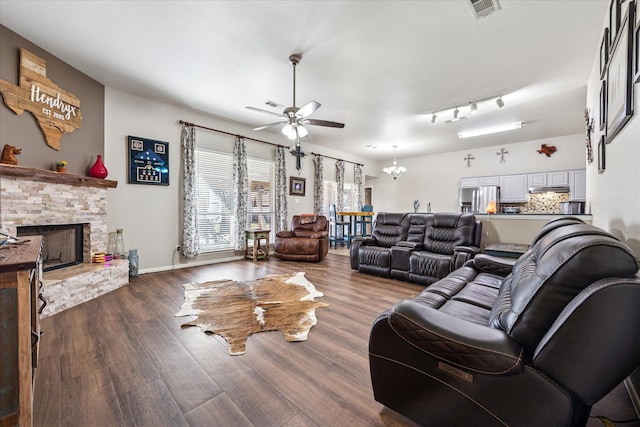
636, 55
614, 20
619, 78
604, 53
148, 161
601, 155
296, 186
603, 105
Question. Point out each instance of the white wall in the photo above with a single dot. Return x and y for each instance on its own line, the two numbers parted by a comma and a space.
614, 196
151, 215
435, 179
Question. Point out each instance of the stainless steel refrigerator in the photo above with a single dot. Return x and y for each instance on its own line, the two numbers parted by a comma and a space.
477, 199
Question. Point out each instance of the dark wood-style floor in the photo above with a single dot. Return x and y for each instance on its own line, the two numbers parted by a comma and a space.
123, 359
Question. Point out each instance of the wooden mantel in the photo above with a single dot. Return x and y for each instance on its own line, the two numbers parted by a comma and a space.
43, 175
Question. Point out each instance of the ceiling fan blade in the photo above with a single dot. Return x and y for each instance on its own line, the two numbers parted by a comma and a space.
264, 111
308, 109
322, 123
268, 126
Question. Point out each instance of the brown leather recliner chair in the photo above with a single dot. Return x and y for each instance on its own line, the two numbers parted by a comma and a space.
308, 239
498, 342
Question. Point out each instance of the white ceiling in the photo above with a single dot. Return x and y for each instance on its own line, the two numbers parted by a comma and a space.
378, 66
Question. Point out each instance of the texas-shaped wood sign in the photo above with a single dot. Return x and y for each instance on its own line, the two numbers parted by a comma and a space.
56, 111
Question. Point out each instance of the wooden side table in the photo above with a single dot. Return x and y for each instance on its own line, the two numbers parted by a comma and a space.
256, 236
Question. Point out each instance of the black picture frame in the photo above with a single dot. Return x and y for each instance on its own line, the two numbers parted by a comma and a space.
604, 53
603, 106
148, 161
614, 20
601, 155
636, 56
297, 186
619, 78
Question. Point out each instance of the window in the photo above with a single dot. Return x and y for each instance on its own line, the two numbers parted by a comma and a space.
330, 194
216, 219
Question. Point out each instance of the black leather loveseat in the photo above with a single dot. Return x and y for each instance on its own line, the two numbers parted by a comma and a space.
420, 248
532, 342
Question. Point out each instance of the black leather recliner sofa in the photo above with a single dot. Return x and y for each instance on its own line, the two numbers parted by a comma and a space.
420, 248
534, 341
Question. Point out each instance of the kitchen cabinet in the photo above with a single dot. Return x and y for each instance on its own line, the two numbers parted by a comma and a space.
480, 181
548, 179
558, 178
514, 189
469, 182
537, 179
578, 185
20, 281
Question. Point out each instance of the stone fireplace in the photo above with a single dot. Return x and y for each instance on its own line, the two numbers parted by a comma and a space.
39, 198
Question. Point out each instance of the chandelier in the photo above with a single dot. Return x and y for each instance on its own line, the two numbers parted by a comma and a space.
395, 171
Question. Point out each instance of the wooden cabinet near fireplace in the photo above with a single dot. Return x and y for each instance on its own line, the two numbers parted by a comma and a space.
20, 283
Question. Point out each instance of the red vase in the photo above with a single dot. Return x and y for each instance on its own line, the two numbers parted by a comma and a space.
98, 170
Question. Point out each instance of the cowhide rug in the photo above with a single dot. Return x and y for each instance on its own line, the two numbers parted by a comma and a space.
235, 310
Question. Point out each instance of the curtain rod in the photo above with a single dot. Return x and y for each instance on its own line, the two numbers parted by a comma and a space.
182, 122
335, 158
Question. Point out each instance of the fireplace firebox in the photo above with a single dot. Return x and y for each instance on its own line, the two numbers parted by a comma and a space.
63, 244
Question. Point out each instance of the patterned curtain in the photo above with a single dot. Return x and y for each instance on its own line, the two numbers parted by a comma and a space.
190, 241
281, 190
318, 177
357, 177
240, 192
340, 185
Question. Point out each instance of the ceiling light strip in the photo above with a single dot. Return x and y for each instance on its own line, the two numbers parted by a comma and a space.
490, 130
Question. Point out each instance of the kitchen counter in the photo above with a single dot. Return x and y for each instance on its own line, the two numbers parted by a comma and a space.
516, 228
548, 217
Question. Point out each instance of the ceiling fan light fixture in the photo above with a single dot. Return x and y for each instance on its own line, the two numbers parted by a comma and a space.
302, 131
289, 131
491, 130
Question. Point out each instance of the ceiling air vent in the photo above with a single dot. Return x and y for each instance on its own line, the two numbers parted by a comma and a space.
483, 8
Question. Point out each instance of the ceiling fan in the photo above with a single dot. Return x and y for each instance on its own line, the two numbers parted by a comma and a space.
294, 118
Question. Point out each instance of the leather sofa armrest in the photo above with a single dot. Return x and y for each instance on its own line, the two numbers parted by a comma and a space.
311, 234
494, 265
285, 234
416, 246
369, 241
462, 254
463, 344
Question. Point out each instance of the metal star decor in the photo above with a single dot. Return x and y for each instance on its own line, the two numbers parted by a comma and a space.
468, 159
501, 153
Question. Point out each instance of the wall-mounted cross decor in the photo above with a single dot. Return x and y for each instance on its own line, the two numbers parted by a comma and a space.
298, 154
468, 159
501, 153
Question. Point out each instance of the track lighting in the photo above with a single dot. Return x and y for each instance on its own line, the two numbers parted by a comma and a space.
452, 114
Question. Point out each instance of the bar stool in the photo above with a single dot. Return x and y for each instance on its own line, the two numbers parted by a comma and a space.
362, 221
339, 230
